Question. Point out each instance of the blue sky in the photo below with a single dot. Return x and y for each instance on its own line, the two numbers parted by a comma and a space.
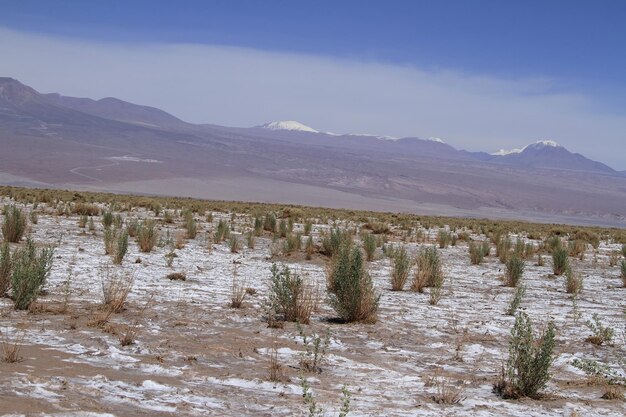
571, 53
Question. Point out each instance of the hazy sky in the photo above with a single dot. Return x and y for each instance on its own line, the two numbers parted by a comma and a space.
482, 75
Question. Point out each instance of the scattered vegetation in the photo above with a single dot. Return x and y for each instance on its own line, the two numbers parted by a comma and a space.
560, 261
601, 334
290, 297
514, 271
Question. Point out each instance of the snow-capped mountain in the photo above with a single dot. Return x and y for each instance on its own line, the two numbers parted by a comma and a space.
549, 154
537, 145
288, 125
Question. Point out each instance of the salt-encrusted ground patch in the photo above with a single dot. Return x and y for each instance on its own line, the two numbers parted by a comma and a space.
196, 356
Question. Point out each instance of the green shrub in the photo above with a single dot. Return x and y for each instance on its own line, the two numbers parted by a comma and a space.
290, 297
14, 224
503, 249
5, 268
428, 271
560, 261
553, 243
147, 235
514, 271
30, 268
623, 272
369, 246
121, 247
401, 268
528, 366
350, 288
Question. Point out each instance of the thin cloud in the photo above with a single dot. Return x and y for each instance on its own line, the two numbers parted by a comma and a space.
243, 87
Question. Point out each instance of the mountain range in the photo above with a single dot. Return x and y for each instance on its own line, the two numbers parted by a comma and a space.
109, 144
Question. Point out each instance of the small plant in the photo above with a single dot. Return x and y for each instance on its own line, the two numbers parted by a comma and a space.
528, 366
428, 270
622, 275
275, 368
315, 346
14, 224
350, 288
234, 244
309, 248
82, 221
30, 269
520, 291
308, 226
514, 271
293, 242
369, 246
436, 291
191, 228
447, 391
290, 297
269, 223
476, 253
601, 334
115, 288
33, 217
238, 293
11, 348
107, 219
121, 247
560, 261
573, 281
614, 258
597, 370
147, 236
401, 268
444, 238
222, 232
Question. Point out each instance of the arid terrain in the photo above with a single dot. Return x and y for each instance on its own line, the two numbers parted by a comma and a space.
178, 347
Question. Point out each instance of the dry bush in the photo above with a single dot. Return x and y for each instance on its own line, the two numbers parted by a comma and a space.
369, 246
85, 209
573, 281
116, 285
613, 392
238, 293
428, 272
401, 268
11, 348
177, 276
614, 258
274, 367
147, 235
622, 275
448, 392
14, 224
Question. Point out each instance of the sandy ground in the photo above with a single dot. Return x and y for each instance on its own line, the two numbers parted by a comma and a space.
195, 356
